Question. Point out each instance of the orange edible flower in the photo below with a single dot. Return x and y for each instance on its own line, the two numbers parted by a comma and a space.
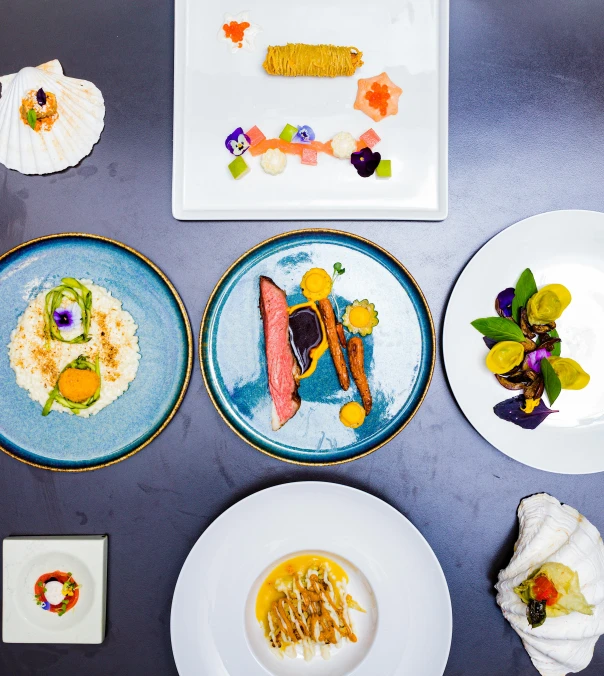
378, 97
235, 31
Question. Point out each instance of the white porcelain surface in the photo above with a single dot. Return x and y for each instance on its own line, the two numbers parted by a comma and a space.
216, 91
566, 247
391, 567
24, 560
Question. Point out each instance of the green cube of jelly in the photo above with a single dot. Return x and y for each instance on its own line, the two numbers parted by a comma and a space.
384, 170
288, 133
238, 167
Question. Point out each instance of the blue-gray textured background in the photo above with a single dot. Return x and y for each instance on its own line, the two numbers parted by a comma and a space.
526, 136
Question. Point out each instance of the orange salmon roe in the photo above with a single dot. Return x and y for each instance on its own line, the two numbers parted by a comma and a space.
235, 31
378, 97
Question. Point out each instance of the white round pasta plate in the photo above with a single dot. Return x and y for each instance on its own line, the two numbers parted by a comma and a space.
565, 247
392, 572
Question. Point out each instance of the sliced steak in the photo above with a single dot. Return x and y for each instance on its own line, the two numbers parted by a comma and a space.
280, 362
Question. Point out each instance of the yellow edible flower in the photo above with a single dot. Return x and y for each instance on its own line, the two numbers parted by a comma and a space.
316, 284
504, 356
572, 376
548, 304
360, 317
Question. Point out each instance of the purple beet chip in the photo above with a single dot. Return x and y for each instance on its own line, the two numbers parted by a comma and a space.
365, 161
511, 410
489, 342
41, 97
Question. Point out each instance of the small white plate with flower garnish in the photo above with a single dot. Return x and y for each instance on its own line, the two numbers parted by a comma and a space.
54, 589
314, 579
534, 292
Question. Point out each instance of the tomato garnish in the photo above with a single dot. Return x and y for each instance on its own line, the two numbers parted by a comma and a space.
544, 590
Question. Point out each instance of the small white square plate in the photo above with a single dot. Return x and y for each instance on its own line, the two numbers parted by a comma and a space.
25, 559
216, 91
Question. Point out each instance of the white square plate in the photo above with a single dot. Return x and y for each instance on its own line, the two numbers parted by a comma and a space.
216, 91
24, 560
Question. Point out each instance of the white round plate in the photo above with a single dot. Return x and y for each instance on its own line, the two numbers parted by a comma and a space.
392, 570
566, 247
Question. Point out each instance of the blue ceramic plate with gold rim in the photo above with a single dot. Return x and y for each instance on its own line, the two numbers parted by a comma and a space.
66, 442
399, 353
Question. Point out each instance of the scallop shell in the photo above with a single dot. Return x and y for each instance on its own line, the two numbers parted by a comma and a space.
550, 531
81, 120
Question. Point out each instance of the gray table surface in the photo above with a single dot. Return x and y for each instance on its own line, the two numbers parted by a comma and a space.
526, 136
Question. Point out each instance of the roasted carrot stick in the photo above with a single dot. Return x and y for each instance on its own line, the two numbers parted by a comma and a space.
329, 319
356, 359
341, 336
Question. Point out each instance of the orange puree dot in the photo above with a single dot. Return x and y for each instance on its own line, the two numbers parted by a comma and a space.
378, 97
235, 31
78, 384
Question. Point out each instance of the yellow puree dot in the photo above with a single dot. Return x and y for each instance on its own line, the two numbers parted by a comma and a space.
352, 414
314, 282
359, 317
78, 384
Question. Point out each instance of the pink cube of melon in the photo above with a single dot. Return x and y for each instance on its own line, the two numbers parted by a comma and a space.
370, 138
255, 135
309, 156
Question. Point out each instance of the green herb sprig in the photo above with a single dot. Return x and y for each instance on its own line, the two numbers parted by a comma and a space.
32, 118
499, 328
75, 292
552, 383
526, 288
83, 363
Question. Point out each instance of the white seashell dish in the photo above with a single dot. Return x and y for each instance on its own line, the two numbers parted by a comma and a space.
552, 533
48, 122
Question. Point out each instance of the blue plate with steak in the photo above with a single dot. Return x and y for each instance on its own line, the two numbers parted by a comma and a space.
317, 347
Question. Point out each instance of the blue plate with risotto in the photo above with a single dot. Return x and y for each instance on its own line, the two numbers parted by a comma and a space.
89, 373
317, 347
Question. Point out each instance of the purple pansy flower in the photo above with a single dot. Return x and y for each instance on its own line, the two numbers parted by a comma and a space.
45, 605
63, 318
41, 97
305, 134
505, 299
67, 318
237, 142
365, 161
534, 359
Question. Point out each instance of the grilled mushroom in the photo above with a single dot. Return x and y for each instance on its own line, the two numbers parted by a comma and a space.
524, 324
509, 383
543, 328
549, 343
535, 389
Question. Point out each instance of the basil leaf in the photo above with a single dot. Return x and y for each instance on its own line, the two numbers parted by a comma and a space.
499, 328
558, 346
552, 383
31, 118
525, 289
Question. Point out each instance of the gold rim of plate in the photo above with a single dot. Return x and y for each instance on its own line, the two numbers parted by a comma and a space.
185, 316
283, 236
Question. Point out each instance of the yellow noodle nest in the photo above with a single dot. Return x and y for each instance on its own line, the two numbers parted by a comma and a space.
296, 59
